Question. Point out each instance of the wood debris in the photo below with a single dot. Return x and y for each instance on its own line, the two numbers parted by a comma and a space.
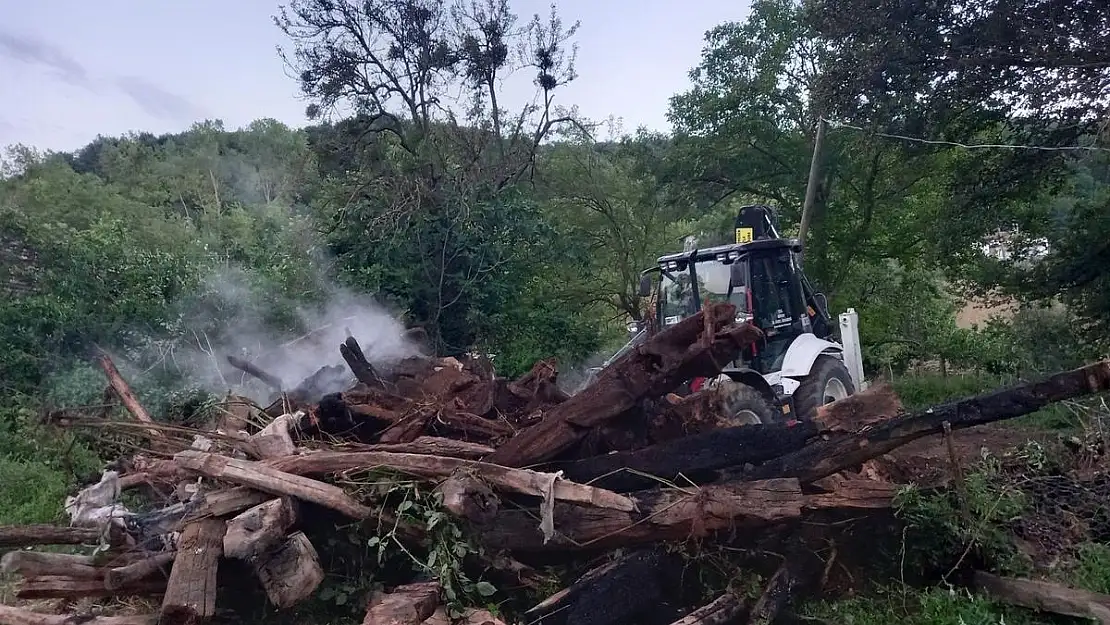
523, 470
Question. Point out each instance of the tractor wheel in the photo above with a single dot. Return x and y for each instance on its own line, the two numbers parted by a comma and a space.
828, 381
743, 405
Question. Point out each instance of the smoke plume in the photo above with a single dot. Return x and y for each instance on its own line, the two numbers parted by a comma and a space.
233, 316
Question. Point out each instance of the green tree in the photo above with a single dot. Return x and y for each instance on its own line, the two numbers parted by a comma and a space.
435, 222
747, 127
613, 211
984, 71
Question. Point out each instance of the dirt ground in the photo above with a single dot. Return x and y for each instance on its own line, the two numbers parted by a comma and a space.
928, 461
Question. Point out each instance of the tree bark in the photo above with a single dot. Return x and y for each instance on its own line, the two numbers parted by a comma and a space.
669, 514
693, 458
39, 563
123, 390
467, 497
696, 346
1046, 597
361, 368
833, 456
868, 407
678, 514
515, 480
191, 591
256, 372
265, 478
430, 445
470, 425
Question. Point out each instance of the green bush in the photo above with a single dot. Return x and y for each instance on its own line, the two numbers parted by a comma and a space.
1092, 568
921, 390
31, 492
948, 528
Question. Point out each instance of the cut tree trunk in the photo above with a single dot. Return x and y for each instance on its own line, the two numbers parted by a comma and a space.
696, 346
515, 480
17, 536
38, 563
668, 514
261, 477
64, 587
678, 514
255, 531
1046, 597
191, 592
290, 572
828, 457
123, 576
411, 604
721, 611
870, 406
17, 616
614, 592
693, 458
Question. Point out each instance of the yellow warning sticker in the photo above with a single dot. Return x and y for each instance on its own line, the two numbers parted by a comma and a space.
744, 235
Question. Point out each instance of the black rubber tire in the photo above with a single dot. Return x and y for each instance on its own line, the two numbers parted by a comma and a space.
737, 397
810, 395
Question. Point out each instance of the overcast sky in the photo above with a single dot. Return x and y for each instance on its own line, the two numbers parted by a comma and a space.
73, 69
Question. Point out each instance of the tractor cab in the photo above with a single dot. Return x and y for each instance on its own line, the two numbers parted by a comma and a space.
797, 365
759, 274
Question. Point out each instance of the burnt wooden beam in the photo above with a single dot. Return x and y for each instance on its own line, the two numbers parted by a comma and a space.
838, 454
612, 593
688, 459
257, 373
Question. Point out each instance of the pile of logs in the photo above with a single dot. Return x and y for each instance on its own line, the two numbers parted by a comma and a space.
607, 475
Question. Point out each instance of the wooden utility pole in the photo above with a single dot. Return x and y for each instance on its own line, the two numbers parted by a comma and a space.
811, 185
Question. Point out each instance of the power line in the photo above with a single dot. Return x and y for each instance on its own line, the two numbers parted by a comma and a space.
971, 146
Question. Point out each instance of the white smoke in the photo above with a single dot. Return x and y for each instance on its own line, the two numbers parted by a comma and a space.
293, 353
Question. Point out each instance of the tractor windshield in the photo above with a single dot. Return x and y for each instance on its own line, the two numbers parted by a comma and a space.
716, 282
676, 297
